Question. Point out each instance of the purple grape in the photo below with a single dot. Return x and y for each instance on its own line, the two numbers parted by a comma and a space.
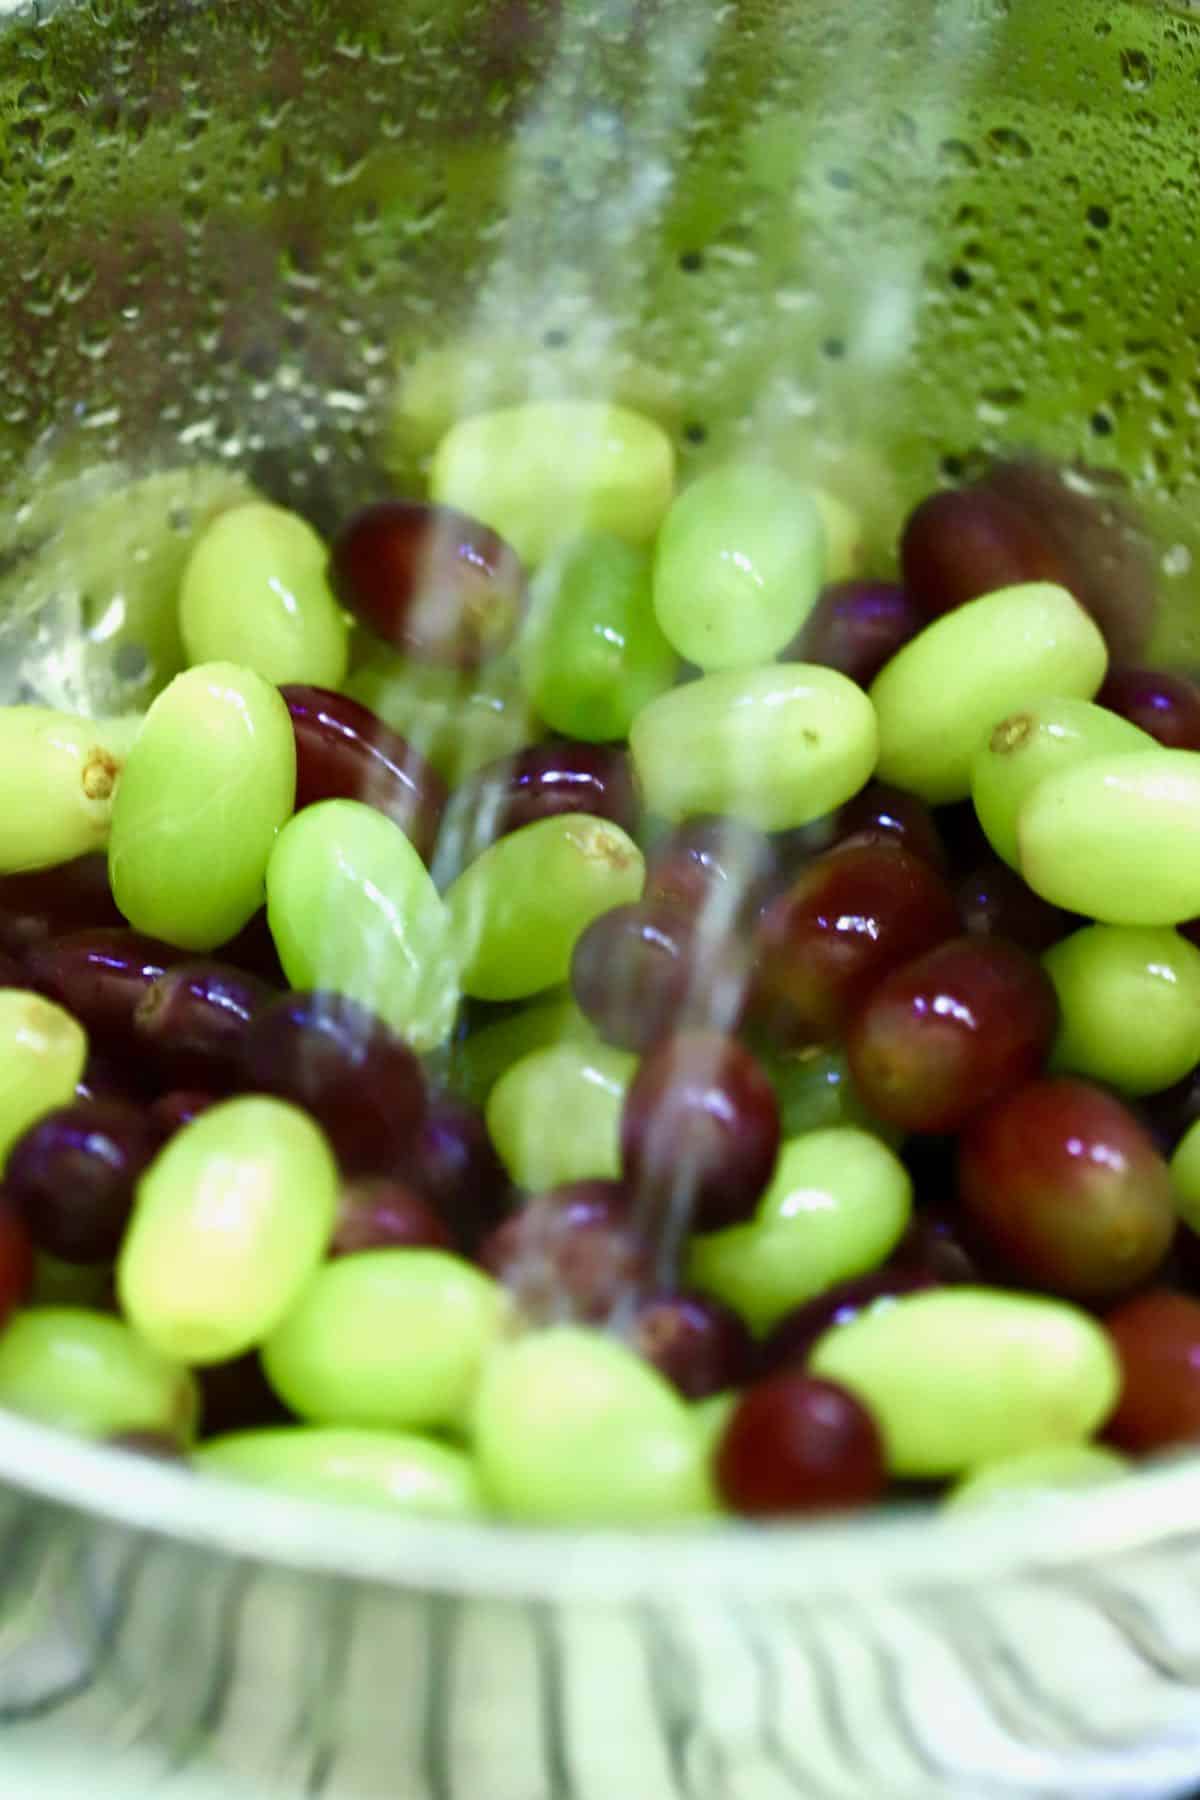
857, 626
194, 1018
453, 1164
941, 1248
712, 864
386, 1215
72, 1177
993, 901
344, 752
173, 1110
1164, 705
643, 971
48, 902
699, 1345
572, 1253
540, 782
11, 973
101, 976
360, 1081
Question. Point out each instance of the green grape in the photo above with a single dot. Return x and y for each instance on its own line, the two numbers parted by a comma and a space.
58, 777
517, 910
254, 592
42, 1053
940, 695
352, 908
845, 554
838, 1204
388, 1338
1129, 1000
1036, 741
458, 722
1117, 838
963, 1376
778, 746
592, 653
555, 1116
231, 1220
571, 1427
815, 1090
544, 472
88, 1372
209, 781
1185, 1176
398, 1471
738, 566
1055, 1470
478, 1060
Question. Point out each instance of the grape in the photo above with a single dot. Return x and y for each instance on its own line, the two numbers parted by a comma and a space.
939, 696
385, 1215
208, 783
1039, 740
789, 1342
1130, 1003
1117, 838
775, 746
837, 1205
58, 777
42, 1053
940, 1248
716, 865
452, 1163
194, 1017
738, 565
16, 1260
540, 782
855, 627
1055, 1470
480, 1058
850, 917
956, 1377
391, 1339
457, 723
886, 815
399, 1472
1165, 706
101, 977
255, 593
555, 1116
946, 1034
542, 473
352, 909
49, 902
966, 542
72, 1176
516, 912
342, 1063
1157, 1338
593, 653
994, 902
232, 1219
343, 752
572, 1253
799, 1445
699, 1345
644, 971
1063, 1180
171, 1111
88, 1373
435, 584
700, 1131
815, 1090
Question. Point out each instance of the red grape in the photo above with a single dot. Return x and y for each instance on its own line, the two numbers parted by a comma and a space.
47, 902
641, 972
16, 1260
344, 752
699, 1345
855, 627
359, 1080
1166, 706
1157, 1338
711, 863
540, 782
993, 901
193, 1019
72, 1176
965, 542
700, 1131
798, 1445
386, 1215
453, 1164
434, 583
849, 918
101, 976
572, 1253
1065, 1182
949, 1032
789, 1342
880, 814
